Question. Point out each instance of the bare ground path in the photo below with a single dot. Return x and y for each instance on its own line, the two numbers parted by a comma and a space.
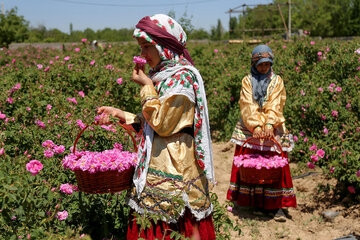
304, 223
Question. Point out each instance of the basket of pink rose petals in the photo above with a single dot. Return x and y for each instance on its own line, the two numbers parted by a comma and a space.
258, 169
105, 171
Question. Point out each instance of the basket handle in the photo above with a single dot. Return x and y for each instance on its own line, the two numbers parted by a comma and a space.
272, 139
125, 126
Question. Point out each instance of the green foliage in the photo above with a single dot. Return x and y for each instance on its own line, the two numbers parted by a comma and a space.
29, 204
323, 18
222, 223
13, 28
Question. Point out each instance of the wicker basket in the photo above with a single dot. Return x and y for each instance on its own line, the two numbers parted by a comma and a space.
263, 175
108, 181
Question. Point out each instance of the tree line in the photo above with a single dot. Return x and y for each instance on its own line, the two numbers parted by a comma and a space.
325, 18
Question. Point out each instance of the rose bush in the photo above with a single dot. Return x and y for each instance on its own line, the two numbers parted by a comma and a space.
49, 95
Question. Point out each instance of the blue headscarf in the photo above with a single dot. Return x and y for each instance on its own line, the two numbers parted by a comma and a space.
260, 82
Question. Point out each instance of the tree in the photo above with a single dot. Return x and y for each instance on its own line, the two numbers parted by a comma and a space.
186, 24
199, 34
217, 32
13, 28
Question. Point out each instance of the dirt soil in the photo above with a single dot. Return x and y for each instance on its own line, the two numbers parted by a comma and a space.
304, 222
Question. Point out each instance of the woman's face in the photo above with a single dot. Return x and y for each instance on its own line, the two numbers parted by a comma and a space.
149, 52
263, 67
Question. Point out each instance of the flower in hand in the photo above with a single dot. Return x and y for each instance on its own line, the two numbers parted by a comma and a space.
139, 60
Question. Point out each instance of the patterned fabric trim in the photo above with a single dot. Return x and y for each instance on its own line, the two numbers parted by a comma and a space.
267, 192
163, 174
158, 196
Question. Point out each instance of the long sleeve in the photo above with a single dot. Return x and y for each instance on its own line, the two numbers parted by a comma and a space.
169, 116
249, 108
274, 105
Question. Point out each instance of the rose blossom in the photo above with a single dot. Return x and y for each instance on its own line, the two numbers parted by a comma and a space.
62, 215
34, 166
310, 165
139, 60
48, 144
66, 188
320, 153
119, 81
48, 153
326, 131
59, 149
314, 158
313, 147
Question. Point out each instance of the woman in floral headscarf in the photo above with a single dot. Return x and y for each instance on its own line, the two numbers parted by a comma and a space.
262, 99
175, 154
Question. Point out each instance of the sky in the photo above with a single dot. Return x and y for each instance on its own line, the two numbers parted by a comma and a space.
116, 14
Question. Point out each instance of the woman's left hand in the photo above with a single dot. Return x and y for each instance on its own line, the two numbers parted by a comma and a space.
140, 77
269, 132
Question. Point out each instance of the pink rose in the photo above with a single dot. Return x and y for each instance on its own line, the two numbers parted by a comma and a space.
229, 208
59, 149
119, 81
310, 165
34, 166
314, 158
66, 188
62, 215
326, 131
320, 153
313, 147
48, 153
139, 60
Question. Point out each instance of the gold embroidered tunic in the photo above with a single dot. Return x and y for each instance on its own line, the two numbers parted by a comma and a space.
173, 173
271, 112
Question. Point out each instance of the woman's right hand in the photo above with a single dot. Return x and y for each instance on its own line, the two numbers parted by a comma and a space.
105, 112
140, 77
258, 132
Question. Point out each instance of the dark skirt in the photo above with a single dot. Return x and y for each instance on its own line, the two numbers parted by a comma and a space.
267, 196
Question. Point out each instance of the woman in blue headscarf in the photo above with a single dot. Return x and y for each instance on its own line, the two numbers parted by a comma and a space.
262, 100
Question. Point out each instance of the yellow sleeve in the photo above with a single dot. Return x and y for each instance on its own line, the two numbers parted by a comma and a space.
274, 105
249, 108
169, 116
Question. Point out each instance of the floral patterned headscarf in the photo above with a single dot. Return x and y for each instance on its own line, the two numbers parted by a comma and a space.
174, 59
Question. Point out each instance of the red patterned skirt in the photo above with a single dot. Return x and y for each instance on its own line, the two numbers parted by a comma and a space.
267, 196
186, 225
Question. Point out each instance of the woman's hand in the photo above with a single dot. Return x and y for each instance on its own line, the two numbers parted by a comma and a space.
269, 131
258, 132
105, 112
139, 76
